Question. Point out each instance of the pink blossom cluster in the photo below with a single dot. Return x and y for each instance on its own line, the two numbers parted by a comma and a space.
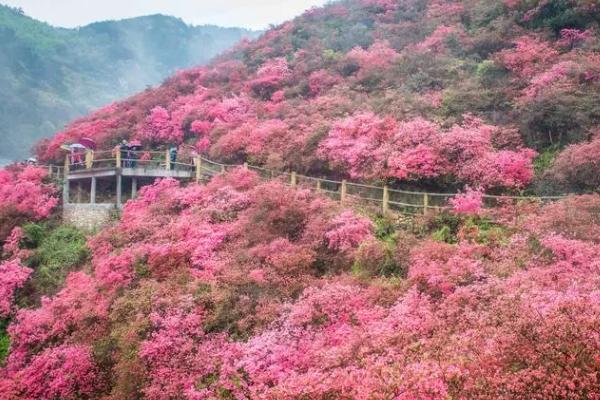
470, 202
377, 57
12, 276
369, 146
25, 190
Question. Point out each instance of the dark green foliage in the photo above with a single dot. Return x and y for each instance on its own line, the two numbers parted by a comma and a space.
561, 14
560, 119
545, 159
56, 252
443, 227
4, 340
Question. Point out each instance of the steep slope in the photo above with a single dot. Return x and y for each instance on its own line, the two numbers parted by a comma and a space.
49, 75
437, 92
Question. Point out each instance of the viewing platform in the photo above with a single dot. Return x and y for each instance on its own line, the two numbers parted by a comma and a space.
97, 184
108, 178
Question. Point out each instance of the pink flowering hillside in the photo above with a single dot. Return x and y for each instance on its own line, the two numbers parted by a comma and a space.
444, 92
251, 290
243, 288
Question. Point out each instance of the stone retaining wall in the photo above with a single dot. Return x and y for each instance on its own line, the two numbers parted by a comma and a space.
88, 216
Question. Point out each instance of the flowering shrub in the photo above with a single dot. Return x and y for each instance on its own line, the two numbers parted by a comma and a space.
436, 42
348, 231
65, 372
572, 37
376, 58
368, 146
528, 56
470, 202
12, 276
355, 143
157, 127
270, 77
576, 166
12, 242
24, 189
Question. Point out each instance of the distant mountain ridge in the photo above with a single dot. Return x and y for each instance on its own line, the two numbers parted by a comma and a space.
51, 75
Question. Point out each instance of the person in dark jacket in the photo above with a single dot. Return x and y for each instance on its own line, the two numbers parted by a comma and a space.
124, 149
173, 155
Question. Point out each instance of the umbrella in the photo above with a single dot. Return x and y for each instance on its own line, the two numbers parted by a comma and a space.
65, 147
135, 144
89, 143
76, 146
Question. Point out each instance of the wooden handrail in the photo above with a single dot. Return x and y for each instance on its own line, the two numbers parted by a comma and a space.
201, 165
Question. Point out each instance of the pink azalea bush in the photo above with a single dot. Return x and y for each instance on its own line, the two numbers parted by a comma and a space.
12, 276
576, 165
470, 202
25, 190
66, 372
368, 146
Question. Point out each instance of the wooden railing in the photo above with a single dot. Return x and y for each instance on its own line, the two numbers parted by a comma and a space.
385, 197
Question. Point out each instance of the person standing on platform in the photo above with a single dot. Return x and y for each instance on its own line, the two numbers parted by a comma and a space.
173, 155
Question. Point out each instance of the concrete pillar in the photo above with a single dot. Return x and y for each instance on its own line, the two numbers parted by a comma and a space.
78, 194
93, 191
119, 196
133, 187
66, 191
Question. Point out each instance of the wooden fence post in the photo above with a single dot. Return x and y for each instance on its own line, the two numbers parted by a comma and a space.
245, 165
293, 180
318, 185
89, 159
198, 169
386, 200
223, 170
118, 158
425, 203
343, 191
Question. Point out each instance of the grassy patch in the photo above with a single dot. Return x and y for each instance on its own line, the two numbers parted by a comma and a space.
4, 341
56, 252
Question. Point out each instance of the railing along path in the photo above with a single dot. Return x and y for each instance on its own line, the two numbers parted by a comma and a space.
200, 168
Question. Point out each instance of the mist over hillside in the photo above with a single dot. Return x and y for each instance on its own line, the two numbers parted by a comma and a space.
49, 75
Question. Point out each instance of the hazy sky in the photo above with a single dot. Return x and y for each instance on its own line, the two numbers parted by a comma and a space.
256, 14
